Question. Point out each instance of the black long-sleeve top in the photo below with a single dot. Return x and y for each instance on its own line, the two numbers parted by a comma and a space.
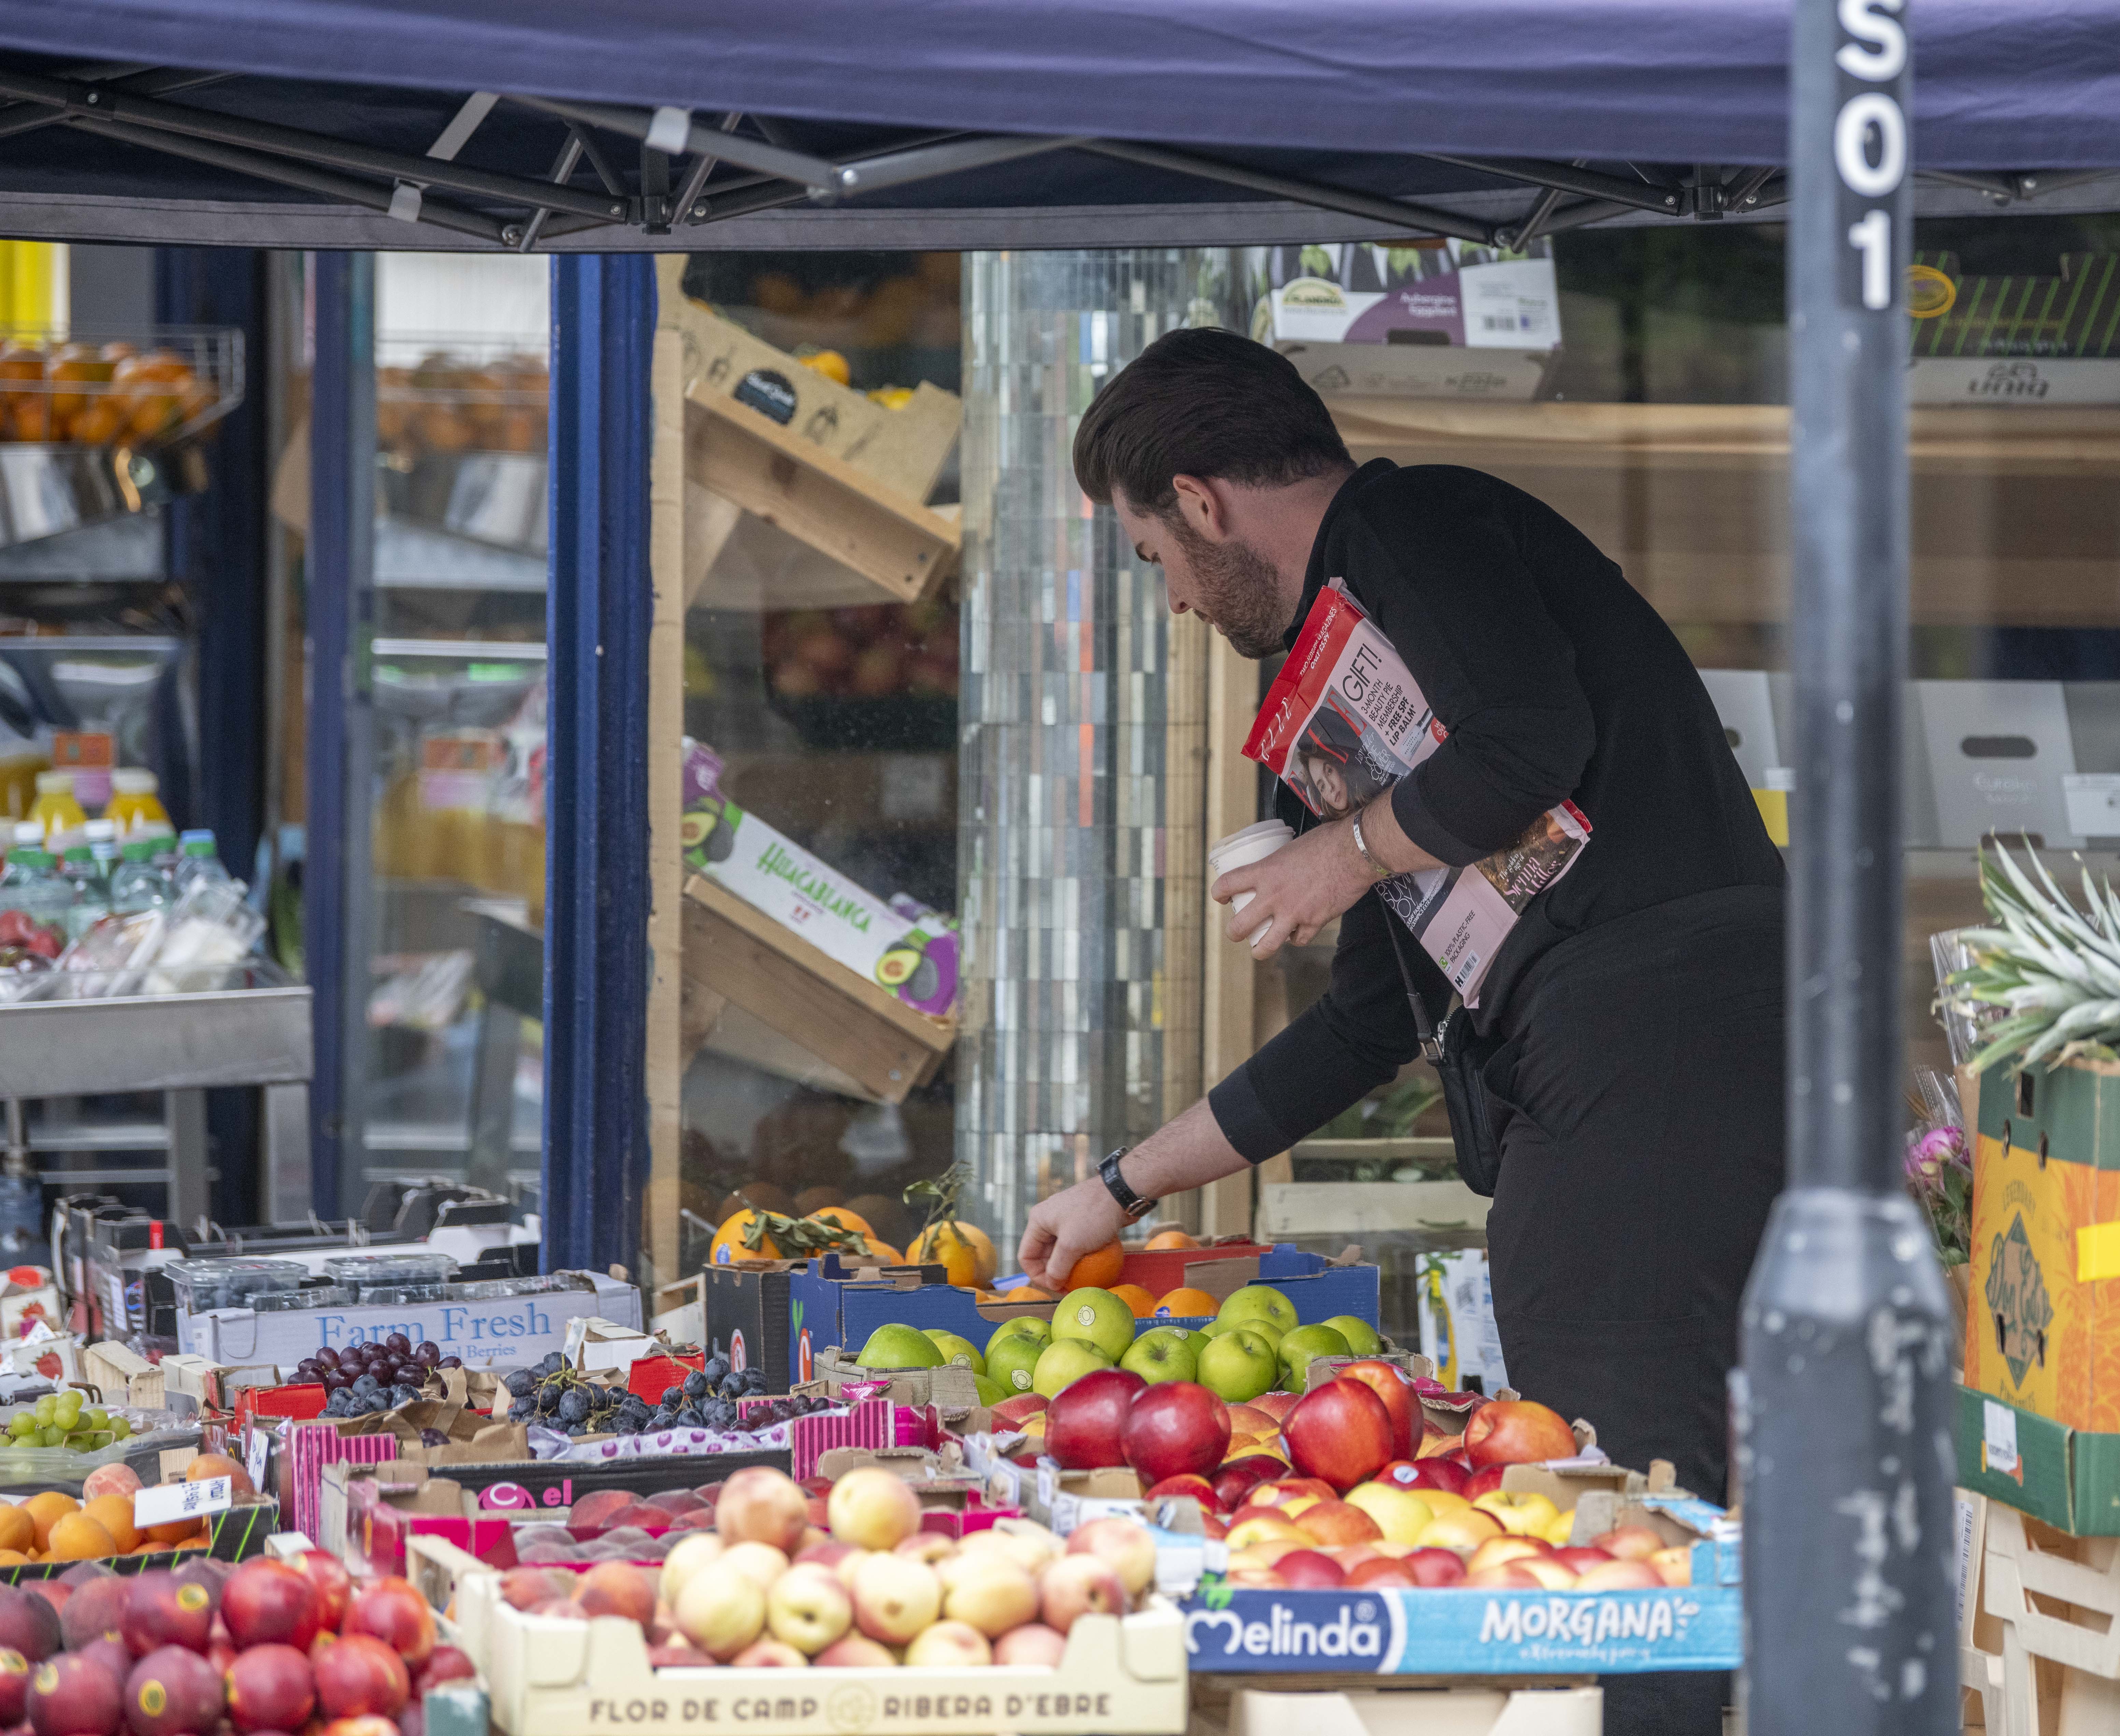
1556, 679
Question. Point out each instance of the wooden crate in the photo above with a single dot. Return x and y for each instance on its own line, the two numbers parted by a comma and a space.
2057, 1598
738, 958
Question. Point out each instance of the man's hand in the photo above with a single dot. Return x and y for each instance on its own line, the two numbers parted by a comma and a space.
1064, 1227
1300, 888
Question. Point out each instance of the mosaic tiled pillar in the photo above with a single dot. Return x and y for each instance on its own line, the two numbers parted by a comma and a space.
1080, 795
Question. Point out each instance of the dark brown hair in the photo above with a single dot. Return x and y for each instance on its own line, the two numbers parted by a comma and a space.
1204, 403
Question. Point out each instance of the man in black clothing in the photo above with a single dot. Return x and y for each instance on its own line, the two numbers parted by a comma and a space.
1637, 1004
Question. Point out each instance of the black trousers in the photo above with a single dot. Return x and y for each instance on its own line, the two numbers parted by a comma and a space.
1640, 1104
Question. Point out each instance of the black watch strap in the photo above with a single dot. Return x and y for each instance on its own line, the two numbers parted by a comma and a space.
1130, 1202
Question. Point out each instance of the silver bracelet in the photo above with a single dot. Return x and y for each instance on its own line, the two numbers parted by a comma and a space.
1361, 844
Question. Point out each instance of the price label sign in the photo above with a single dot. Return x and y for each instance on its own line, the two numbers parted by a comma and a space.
257, 1450
167, 1503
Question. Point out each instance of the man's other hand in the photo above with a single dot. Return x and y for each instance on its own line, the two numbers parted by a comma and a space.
1064, 1227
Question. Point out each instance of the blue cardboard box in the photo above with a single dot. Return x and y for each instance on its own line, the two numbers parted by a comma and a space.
1245, 1631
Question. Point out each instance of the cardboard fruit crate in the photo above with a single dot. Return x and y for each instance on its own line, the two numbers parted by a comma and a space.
1121, 1675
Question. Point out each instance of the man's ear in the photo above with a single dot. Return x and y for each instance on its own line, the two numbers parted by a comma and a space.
1201, 507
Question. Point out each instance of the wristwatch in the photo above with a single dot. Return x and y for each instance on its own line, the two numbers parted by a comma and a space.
1130, 1202
1362, 844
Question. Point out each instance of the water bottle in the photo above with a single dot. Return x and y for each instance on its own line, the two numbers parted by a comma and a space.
91, 892
34, 900
138, 885
197, 860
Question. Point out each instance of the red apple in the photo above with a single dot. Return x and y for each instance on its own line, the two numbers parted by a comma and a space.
1383, 1570
1340, 1432
1629, 1542
1309, 1570
1401, 1403
1174, 1428
334, 1585
1435, 1567
1236, 1479
392, 1610
1517, 1431
1336, 1522
14, 1687
1436, 1473
358, 1675
1085, 1424
410, 1722
73, 1695
173, 1691
1011, 1412
163, 1610
1198, 1487
1276, 1404
1506, 1577
446, 1663
269, 1602
271, 1687
1582, 1557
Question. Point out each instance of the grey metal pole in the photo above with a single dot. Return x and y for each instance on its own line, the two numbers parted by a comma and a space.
1843, 1402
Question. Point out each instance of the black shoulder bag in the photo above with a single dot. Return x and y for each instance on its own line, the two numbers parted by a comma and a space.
1458, 1055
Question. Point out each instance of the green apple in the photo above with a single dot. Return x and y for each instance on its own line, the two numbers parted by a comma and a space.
955, 1349
1035, 1327
1361, 1337
1011, 1357
1065, 1359
1097, 1315
991, 1392
1236, 1367
1166, 1353
1300, 1346
1259, 1302
899, 1346
1216, 1328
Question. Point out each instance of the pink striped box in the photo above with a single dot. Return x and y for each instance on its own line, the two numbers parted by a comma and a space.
313, 1445
874, 1422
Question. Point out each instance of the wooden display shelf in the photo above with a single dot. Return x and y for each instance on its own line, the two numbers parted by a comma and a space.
2014, 516
1357, 1208
735, 957
748, 459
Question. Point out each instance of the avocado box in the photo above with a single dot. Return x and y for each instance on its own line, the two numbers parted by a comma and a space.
2042, 1326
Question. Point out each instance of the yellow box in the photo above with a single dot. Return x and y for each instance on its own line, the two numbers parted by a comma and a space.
2043, 1330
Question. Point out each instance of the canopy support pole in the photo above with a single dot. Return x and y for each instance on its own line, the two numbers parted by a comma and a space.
598, 608
1844, 1401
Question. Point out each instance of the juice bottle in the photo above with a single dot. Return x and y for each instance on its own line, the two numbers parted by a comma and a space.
55, 809
134, 800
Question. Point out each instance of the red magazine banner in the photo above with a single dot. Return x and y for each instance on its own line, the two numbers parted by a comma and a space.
1344, 720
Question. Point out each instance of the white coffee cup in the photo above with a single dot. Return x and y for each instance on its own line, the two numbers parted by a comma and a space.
1240, 849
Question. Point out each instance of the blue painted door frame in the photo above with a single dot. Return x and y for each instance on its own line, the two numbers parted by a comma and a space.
598, 613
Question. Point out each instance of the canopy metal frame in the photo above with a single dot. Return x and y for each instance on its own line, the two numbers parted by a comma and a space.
734, 164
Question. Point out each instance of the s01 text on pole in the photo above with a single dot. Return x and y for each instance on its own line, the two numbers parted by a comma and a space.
1843, 1399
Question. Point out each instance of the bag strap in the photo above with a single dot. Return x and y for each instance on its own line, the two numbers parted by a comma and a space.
1424, 1023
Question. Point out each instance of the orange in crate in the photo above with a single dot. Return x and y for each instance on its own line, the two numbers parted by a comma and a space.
1170, 1239
1186, 1303
1099, 1269
1135, 1298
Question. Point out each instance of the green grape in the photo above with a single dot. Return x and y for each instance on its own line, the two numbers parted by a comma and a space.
97, 1418
52, 1436
67, 1415
48, 1409
119, 1428
94, 1442
22, 1423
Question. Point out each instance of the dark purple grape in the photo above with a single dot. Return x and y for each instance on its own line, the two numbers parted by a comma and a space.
450, 1362
336, 1379
428, 1354
399, 1343
326, 1359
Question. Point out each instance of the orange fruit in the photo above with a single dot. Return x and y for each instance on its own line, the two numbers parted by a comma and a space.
13, 1558
47, 1510
176, 1531
1135, 1298
1026, 1293
78, 1537
727, 1248
844, 1219
114, 1514
18, 1530
964, 1251
207, 1466
883, 1250
1171, 1239
1186, 1303
200, 1542
1099, 1269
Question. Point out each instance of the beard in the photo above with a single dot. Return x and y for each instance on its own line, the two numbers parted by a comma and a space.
1239, 592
